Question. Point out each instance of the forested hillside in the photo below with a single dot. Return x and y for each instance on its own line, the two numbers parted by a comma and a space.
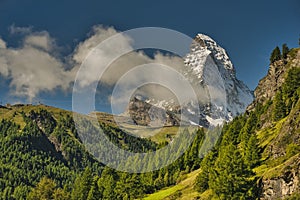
42, 157
258, 154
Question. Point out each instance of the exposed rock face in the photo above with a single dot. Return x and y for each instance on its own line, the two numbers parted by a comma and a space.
270, 84
283, 186
145, 114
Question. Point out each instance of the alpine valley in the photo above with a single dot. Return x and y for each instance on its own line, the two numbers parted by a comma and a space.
255, 140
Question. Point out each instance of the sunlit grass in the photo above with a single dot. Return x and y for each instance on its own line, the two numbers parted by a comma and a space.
185, 187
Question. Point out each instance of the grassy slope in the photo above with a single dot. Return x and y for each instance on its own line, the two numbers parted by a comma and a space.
185, 187
14, 112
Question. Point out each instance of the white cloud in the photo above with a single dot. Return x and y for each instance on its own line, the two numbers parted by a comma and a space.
32, 68
36, 65
2, 44
97, 35
3, 61
120, 66
3, 66
33, 71
41, 40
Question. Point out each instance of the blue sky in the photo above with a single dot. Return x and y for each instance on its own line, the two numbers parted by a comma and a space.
248, 30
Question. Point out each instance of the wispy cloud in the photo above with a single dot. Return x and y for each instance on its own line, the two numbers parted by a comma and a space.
20, 30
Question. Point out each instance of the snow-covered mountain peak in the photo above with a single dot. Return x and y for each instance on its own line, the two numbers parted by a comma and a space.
221, 95
219, 54
209, 63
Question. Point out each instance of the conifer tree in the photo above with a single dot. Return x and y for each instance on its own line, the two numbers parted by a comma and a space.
275, 55
285, 51
252, 152
229, 177
107, 183
94, 193
82, 185
202, 179
44, 190
279, 111
61, 194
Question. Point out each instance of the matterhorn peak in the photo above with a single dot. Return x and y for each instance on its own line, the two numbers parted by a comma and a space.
219, 54
211, 73
210, 64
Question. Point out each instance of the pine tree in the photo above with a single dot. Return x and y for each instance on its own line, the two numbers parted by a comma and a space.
202, 179
252, 152
44, 190
275, 55
285, 51
229, 177
290, 87
61, 194
7, 193
82, 185
279, 111
107, 183
128, 187
94, 193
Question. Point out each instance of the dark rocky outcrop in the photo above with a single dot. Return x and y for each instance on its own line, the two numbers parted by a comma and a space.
284, 185
145, 114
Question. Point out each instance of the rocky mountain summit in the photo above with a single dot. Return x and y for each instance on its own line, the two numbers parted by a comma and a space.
221, 95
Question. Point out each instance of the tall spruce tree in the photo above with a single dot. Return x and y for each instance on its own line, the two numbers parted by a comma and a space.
252, 152
82, 185
94, 193
44, 190
285, 51
279, 110
229, 179
202, 179
275, 55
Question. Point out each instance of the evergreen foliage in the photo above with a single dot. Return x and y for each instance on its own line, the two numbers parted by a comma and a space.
289, 94
285, 51
275, 55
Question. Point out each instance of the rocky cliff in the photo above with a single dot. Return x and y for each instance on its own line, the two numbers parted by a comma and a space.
284, 185
279, 139
271, 83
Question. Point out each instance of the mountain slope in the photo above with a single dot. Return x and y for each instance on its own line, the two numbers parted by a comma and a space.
264, 141
280, 137
39, 141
